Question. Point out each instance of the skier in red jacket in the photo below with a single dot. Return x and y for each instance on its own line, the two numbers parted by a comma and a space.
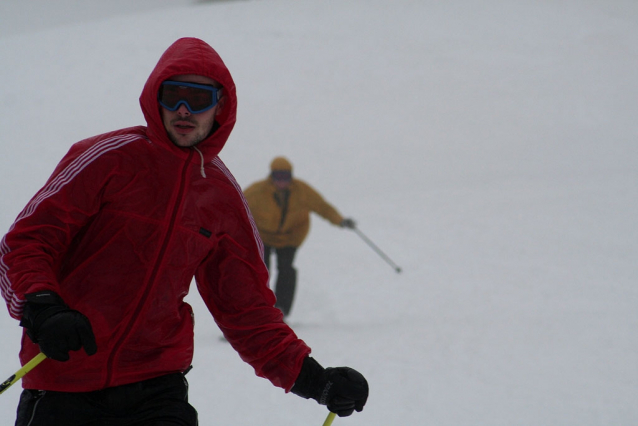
103, 255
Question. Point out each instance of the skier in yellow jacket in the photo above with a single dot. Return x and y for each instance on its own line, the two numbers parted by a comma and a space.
281, 206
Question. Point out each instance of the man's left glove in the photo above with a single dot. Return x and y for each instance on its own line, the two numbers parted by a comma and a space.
342, 389
55, 327
348, 223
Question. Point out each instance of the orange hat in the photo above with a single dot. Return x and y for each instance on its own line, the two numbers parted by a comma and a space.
281, 163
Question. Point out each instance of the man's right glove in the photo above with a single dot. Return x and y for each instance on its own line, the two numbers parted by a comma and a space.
342, 389
55, 327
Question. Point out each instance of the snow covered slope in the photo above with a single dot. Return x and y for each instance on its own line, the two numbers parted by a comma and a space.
489, 148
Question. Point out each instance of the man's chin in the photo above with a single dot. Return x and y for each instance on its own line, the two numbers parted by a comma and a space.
184, 141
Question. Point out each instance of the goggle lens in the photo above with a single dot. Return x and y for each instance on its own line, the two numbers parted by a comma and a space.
196, 97
281, 175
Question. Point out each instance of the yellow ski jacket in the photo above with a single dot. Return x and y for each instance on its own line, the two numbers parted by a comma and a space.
281, 226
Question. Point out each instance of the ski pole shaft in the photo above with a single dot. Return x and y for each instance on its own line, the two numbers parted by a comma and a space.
329, 419
21, 372
378, 250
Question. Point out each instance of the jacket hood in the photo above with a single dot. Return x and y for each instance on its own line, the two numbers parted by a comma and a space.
190, 56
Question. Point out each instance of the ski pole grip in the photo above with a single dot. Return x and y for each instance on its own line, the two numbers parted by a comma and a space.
22, 372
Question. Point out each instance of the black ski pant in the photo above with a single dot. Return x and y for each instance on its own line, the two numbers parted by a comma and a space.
286, 276
162, 401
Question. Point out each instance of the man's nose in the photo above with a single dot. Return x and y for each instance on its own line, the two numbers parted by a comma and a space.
183, 111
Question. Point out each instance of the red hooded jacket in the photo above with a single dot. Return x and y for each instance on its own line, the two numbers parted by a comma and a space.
120, 229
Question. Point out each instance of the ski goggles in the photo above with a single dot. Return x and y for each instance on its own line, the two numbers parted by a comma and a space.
281, 175
196, 97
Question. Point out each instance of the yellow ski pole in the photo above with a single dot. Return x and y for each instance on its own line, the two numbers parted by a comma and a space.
329, 419
21, 372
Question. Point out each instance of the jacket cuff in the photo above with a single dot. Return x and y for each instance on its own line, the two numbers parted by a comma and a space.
38, 288
39, 307
310, 381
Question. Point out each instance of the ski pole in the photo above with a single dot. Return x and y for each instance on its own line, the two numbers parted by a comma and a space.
329, 419
378, 250
21, 372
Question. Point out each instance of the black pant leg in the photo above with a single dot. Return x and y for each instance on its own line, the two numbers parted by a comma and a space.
162, 401
286, 279
26, 407
267, 251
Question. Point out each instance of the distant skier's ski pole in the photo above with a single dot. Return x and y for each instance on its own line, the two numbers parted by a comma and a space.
378, 250
329, 419
21, 372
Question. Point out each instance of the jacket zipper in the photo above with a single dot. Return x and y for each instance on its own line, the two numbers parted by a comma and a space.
284, 206
151, 280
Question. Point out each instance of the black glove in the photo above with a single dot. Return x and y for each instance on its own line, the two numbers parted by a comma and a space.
348, 223
342, 389
55, 327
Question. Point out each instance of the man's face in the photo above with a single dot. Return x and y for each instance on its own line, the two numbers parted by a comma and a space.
281, 179
282, 185
184, 128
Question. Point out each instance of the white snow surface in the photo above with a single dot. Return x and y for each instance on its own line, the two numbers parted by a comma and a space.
489, 148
